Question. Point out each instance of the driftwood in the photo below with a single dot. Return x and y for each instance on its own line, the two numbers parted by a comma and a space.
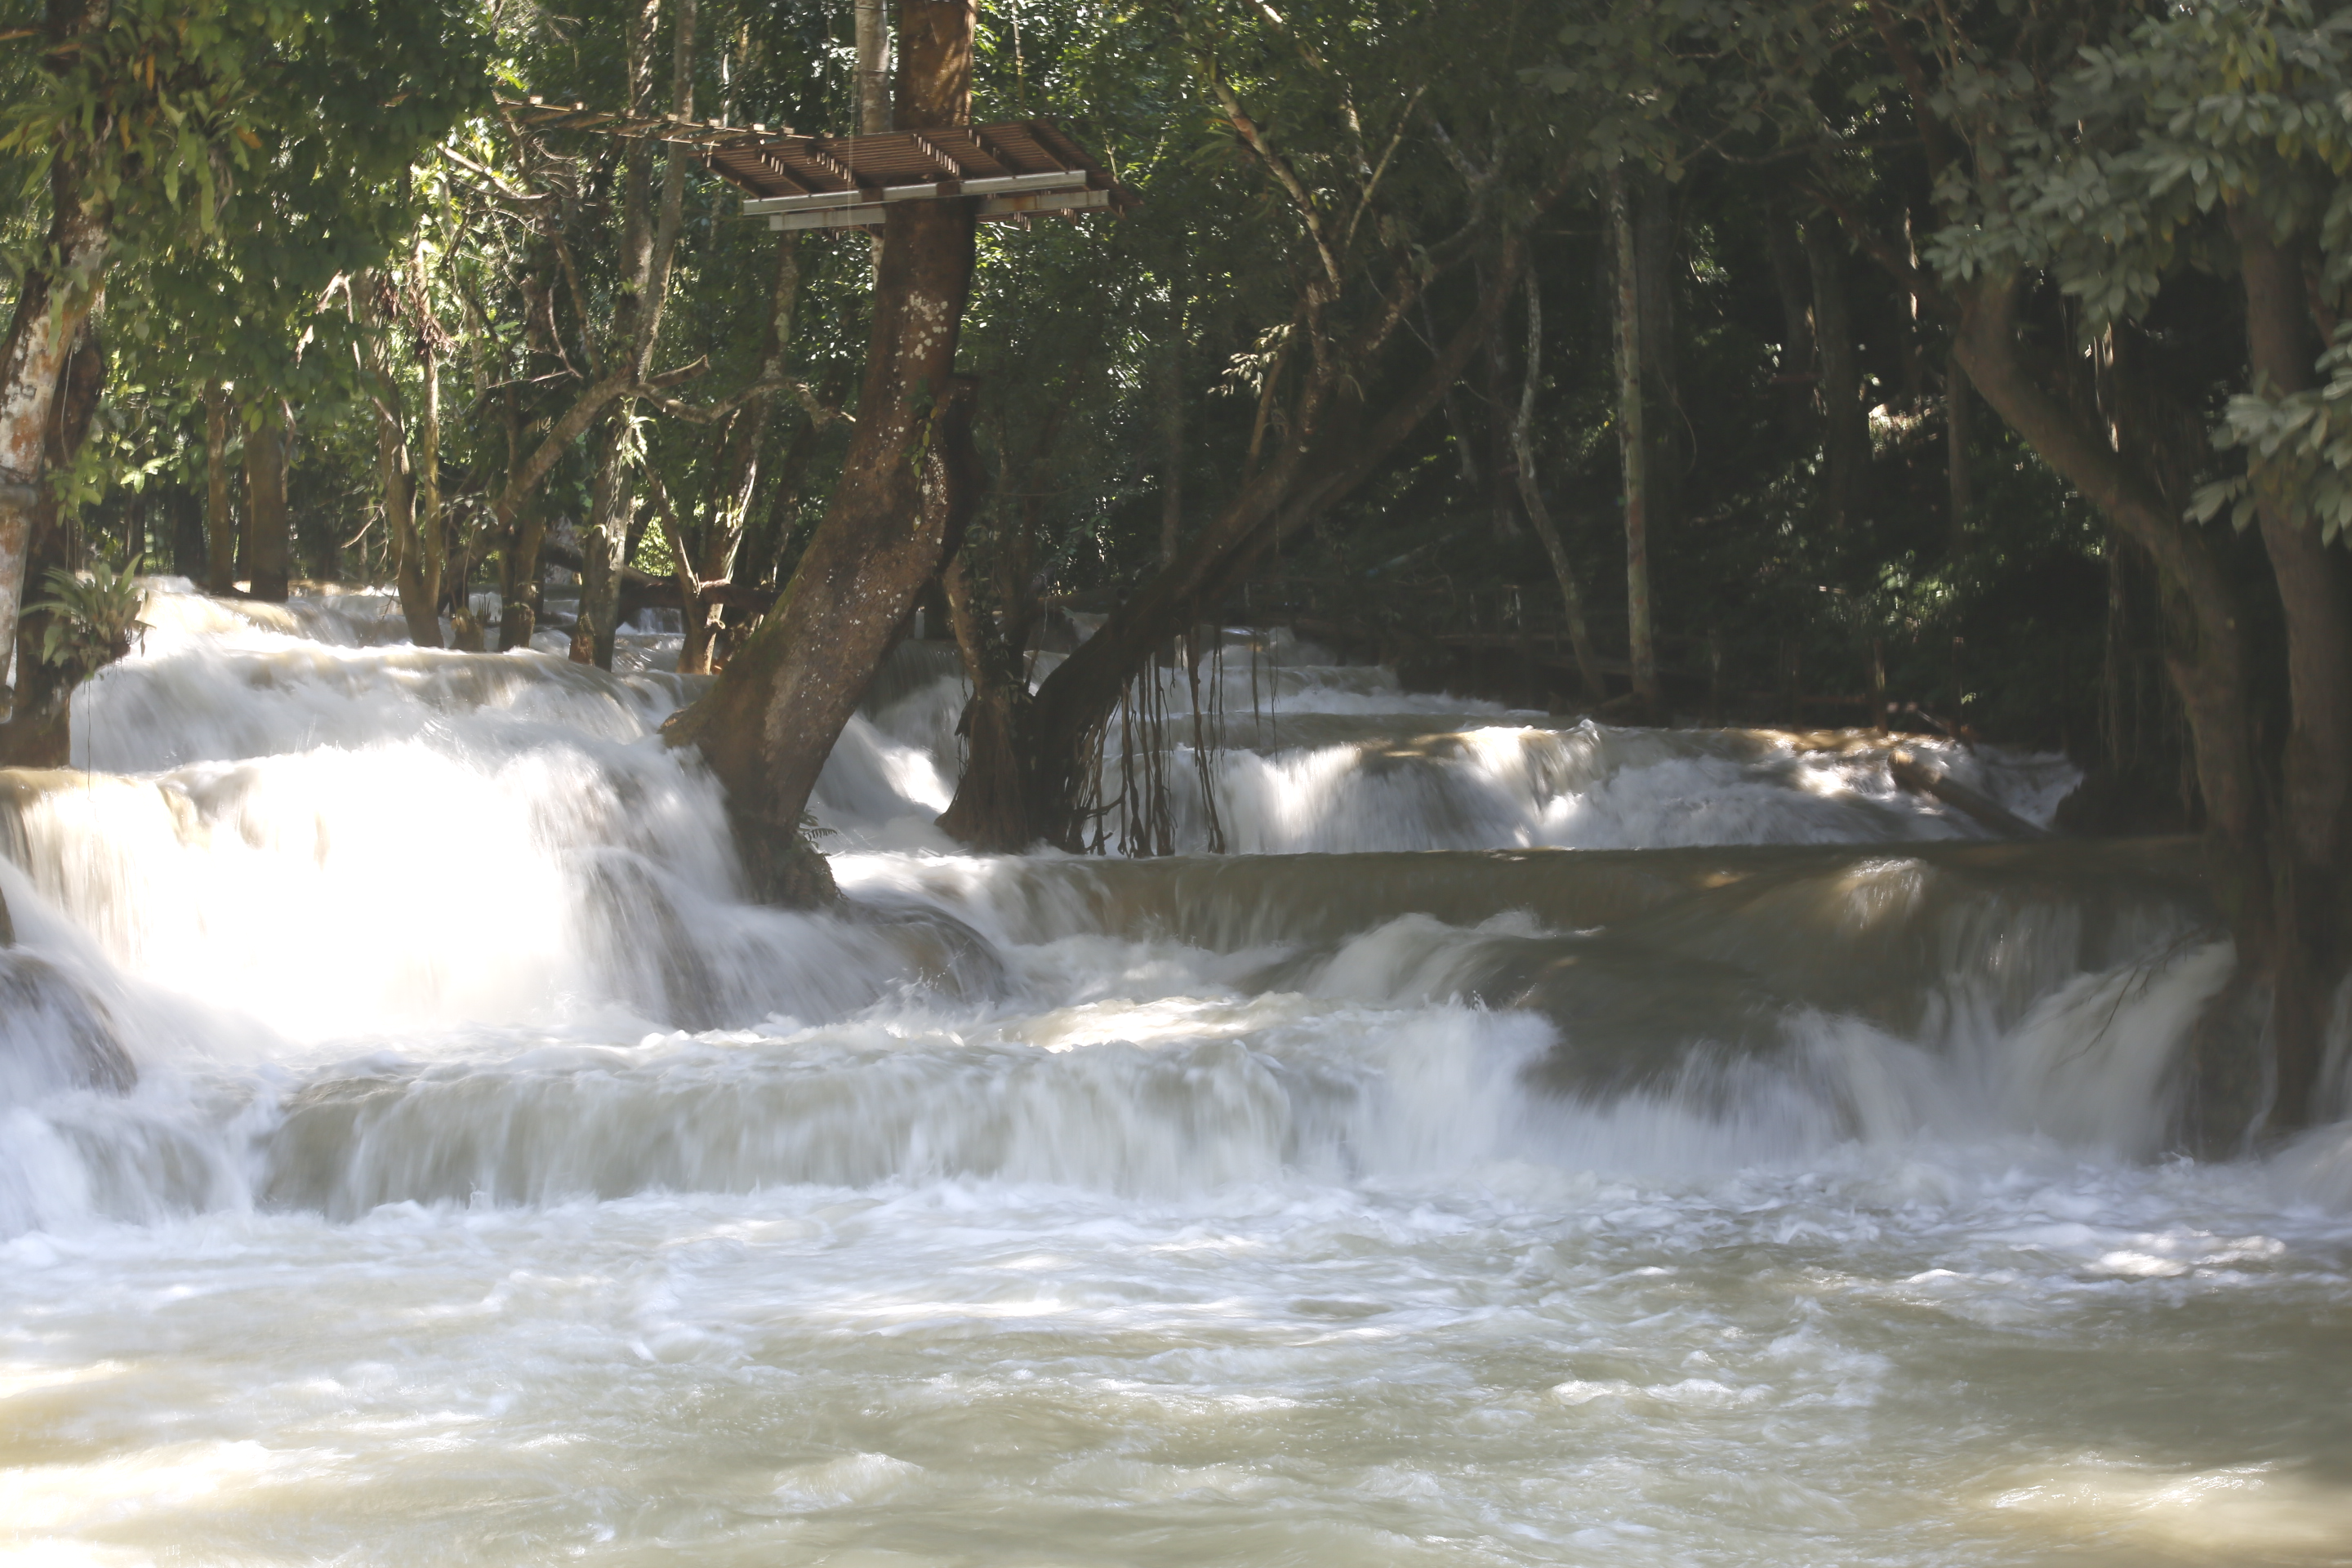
1912, 774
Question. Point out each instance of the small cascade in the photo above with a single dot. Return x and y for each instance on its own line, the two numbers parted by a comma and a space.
1309, 756
357, 923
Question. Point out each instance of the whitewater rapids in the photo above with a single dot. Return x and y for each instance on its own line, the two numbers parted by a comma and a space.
1539, 1144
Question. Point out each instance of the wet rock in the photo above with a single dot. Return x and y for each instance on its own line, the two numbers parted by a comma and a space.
53, 1035
946, 954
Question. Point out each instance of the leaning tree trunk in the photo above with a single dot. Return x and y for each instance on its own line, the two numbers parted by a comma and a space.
268, 539
2307, 926
1009, 797
2209, 671
40, 732
51, 301
768, 725
2207, 666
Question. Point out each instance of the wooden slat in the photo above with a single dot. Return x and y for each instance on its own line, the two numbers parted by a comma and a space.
893, 165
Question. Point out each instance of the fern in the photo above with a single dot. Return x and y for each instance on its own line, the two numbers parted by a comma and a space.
93, 616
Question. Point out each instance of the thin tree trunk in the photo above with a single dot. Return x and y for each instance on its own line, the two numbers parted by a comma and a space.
1655, 233
1580, 637
604, 542
2309, 926
873, 22
1502, 494
873, 67
220, 526
767, 725
648, 238
1845, 426
431, 531
39, 731
1632, 448
1959, 410
1791, 280
269, 544
1172, 422
739, 464
52, 299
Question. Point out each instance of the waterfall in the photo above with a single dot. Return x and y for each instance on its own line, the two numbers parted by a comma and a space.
1562, 1140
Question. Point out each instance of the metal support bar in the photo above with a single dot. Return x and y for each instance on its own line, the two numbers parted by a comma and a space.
1073, 180
993, 209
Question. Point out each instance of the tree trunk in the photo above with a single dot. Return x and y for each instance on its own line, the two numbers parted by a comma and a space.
1632, 448
220, 527
52, 299
768, 725
1656, 227
873, 67
739, 464
873, 28
520, 588
1958, 408
1791, 280
995, 810
1318, 464
39, 731
604, 542
1588, 664
1172, 422
1502, 492
269, 541
1845, 424
430, 534
2209, 672
2307, 922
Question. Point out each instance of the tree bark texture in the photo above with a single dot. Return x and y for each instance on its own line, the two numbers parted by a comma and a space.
39, 731
1959, 431
2208, 669
1791, 279
2308, 926
55, 296
1846, 424
268, 539
220, 523
1657, 228
1632, 445
1580, 637
768, 725
745, 432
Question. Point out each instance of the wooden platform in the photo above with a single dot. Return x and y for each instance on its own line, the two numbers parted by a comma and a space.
1015, 169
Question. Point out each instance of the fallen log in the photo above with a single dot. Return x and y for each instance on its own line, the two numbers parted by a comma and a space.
1912, 774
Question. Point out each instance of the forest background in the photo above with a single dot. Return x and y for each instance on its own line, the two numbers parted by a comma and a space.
1980, 360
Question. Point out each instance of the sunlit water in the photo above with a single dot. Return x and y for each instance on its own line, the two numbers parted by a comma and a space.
1773, 1174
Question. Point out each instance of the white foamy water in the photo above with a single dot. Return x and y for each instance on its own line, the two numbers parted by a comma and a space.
498, 1187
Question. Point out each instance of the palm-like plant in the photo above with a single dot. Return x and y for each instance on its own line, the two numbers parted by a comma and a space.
93, 617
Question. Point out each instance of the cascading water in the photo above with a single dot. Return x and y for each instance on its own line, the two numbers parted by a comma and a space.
1538, 1145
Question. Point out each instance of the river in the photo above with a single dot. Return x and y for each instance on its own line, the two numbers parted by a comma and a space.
1533, 1143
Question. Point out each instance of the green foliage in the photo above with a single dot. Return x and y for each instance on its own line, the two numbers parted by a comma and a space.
92, 617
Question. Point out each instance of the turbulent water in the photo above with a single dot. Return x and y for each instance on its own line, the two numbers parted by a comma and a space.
1533, 1144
